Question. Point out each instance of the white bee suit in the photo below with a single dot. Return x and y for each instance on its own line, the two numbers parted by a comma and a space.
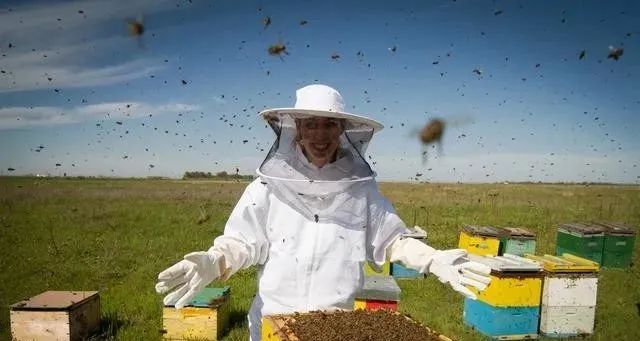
309, 230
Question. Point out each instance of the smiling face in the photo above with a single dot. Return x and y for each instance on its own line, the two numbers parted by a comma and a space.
320, 138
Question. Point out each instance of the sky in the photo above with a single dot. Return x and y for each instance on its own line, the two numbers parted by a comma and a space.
80, 95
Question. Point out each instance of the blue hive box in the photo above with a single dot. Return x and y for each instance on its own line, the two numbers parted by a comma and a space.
511, 323
399, 271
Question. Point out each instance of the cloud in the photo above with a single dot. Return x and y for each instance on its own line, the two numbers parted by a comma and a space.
26, 74
63, 45
26, 117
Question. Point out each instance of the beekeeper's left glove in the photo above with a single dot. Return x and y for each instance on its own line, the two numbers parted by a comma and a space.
192, 274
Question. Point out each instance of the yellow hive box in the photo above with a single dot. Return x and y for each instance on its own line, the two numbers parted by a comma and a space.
565, 263
511, 290
206, 317
273, 329
480, 240
386, 270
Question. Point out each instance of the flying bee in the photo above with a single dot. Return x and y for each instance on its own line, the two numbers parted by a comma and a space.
266, 22
136, 29
583, 53
278, 49
433, 131
615, 52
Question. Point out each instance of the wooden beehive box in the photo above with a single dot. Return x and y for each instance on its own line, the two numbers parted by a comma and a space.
580, 239
274, 328
518, 241
206, 317
480, 240
619, 241
569, 295
508, 309
56, 315
378, 292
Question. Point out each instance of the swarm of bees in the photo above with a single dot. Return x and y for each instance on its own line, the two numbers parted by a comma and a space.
615, 52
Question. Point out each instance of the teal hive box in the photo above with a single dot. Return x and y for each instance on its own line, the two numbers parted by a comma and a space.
517, 241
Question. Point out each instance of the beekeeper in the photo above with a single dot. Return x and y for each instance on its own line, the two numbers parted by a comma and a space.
311, 219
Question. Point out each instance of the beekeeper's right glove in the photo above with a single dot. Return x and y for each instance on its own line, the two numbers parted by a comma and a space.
452, 266
449, 266
192, 274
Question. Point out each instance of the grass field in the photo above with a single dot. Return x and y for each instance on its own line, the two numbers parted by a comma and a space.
116, 235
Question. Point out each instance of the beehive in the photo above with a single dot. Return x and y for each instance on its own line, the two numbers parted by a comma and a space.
274, 328
518, 241
56, 315
480, 240
619, 241
206, 317
508, 308
583, 240
378, 292
400, 271
568, 295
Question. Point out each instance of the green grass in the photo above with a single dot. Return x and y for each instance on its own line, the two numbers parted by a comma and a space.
116, 235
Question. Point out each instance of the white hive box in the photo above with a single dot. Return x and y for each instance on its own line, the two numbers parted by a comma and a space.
569, 295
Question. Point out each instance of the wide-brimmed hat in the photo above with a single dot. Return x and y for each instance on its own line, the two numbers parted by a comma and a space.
320, 101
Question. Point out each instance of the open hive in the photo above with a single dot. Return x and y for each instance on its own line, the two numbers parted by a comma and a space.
354, 325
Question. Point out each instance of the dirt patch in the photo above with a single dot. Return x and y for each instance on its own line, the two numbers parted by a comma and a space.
358, 325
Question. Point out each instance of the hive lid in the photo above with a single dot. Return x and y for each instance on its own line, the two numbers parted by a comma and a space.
617, 229
507, 263
382, 288
583, 228
488, 231
208, 297
519, 233
565, 263
55, 300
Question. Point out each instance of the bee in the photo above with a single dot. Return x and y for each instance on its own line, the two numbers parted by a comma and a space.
583, 53
278, 49
303, 22
615, 52
335, 56
266, 21
136, 29
431, 133
477, 71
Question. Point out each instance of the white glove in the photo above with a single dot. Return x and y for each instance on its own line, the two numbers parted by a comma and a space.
194, 273
451, 266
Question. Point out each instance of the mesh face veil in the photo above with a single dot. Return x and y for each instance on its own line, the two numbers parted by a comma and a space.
330, 193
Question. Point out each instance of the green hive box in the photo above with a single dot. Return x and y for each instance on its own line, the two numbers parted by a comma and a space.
517, 241
619, 241
583, 240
